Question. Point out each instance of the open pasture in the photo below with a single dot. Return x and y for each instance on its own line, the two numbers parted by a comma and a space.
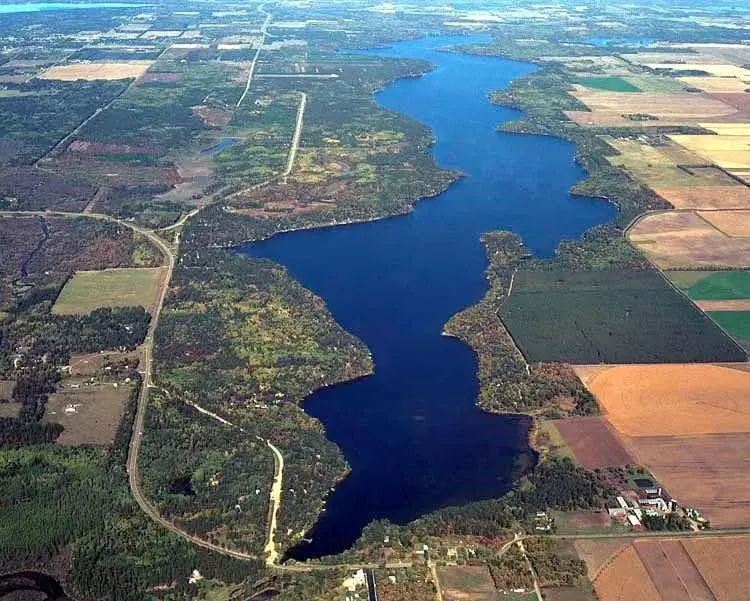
655, 83
90, 414
617, 316
735, 320
610, 84
707, 471
93, 71
593, 442
683, 239
673, 400
89, 290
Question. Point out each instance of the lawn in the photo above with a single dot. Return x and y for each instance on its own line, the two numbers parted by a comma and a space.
722, 285
609, 84
737, 323
617, 316
89, 290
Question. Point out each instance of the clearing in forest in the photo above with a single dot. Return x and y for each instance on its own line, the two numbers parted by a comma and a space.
89, 412
467, 583
94, 71
89, 290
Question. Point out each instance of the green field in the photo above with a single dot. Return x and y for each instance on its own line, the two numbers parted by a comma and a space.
609, 84
686, 279
722, 285
618, 316
89, 290
654, 84
737, 323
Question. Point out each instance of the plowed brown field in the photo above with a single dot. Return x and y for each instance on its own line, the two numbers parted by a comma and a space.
597, 552
593, 442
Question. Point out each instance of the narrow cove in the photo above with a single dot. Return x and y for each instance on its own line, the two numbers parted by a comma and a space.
411, 432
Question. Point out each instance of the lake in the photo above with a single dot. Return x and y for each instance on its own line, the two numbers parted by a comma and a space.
412, 433
35, 7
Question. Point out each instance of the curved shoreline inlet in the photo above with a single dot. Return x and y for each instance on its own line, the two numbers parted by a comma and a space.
411, 432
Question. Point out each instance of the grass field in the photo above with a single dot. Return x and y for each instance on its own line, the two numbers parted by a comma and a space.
89, 290
655, 84
720, 285
465, 583
687, 278
610, 317
610, 84
737, 323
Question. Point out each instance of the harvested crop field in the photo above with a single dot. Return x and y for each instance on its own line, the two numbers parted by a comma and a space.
724, 563
626, 579
597, 552
715, 84
89, 414
593, 442
94, 71
674, 106
731, 195
710, 472
673, 400
89, 290
684, 239
742, 304
617, 316
672, 571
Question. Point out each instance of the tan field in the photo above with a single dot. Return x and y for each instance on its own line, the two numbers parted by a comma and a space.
675, 569
626, 579
673, 106
732, 195
716, 84
715, 69
683, 239
616, 119
726, 151
93, 71
728, 129
658, 167
732, 223
598, 552
724, 563
688, 56
673, 399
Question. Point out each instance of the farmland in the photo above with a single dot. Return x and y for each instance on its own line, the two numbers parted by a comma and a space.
89, 290
685, 239
609, 316
94, 71
462, 583
674, 400
676, 569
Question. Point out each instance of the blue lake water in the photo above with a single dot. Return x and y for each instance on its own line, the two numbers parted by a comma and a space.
411, 432
35, 7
